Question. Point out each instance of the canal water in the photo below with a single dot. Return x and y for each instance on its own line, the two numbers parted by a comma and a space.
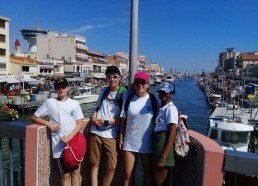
189, 99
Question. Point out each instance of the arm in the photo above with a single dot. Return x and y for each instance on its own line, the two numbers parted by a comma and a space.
52, 126
77, 129
94, 119
169, 144
122, 132
110, 122
100, 122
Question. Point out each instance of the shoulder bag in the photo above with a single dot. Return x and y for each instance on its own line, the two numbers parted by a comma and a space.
74, 150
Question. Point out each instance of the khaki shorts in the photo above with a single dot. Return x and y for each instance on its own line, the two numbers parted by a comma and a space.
103, 146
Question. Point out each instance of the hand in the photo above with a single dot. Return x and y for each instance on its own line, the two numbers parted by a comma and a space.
53, 126
100, 122
65, 139
161, 163
97, 122
121, 143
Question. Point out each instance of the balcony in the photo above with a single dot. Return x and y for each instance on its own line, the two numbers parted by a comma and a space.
81, 47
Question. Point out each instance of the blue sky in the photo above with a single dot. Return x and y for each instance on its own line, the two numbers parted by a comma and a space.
185, 35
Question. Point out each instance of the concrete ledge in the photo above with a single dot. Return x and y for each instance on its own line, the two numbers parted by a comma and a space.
203, 166
214, 157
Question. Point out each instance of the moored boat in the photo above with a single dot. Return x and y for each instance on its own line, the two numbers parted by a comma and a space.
231, 128
169, 78
86, 95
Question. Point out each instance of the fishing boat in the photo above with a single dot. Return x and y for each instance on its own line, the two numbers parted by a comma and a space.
86, 94
169, 78
232, 128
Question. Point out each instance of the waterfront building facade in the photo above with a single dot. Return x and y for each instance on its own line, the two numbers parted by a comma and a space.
23, 66
227, 61
4, 45
247, 64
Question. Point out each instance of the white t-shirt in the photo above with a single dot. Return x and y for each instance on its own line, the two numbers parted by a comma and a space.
167, 114
139, 126
64, 113
109, 109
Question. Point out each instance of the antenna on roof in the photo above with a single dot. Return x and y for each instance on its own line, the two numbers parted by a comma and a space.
36, 20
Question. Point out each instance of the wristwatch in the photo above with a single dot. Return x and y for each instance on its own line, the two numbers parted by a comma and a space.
106, 123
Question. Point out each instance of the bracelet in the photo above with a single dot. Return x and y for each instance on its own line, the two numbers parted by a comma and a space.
106, 123
163, 161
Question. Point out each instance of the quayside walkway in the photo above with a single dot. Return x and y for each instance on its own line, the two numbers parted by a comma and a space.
30, 162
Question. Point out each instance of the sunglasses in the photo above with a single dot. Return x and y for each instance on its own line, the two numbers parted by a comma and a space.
112, 77
140, 81
61, 87
162, 92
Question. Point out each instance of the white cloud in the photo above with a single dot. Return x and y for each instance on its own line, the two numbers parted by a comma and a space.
81, 29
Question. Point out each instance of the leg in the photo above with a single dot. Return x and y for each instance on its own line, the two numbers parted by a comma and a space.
129, 166
76, 177
147, 162
109, 174
66, 179
161, 175
95, 149
94, 174
110, 150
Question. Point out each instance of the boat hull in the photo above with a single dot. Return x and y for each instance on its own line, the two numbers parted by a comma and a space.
86, 98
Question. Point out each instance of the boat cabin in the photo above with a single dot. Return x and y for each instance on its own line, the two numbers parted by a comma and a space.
230, 135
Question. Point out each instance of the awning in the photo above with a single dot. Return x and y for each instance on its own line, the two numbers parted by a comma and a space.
46, 67
88, 76
32, 81
10, 80
99, 76
74, 79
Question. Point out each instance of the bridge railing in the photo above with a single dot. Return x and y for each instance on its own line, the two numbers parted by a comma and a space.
204, 164
12, 136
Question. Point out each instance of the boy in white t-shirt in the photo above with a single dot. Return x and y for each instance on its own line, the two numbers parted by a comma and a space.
105, 128
165, 132
65, 121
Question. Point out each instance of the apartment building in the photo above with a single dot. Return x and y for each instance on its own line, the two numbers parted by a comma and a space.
4, 46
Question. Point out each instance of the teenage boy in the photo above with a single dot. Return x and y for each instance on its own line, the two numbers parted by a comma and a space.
65, 121
105, 128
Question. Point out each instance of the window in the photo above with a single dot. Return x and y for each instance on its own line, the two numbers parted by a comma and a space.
2, 52
25, 69
2, 24
2, 38
234, 137
214, 134
2, 66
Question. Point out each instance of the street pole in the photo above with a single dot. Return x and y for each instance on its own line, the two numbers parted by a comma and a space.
243, 88
133, 40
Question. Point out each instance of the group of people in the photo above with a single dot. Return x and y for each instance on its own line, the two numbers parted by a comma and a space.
137, 122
